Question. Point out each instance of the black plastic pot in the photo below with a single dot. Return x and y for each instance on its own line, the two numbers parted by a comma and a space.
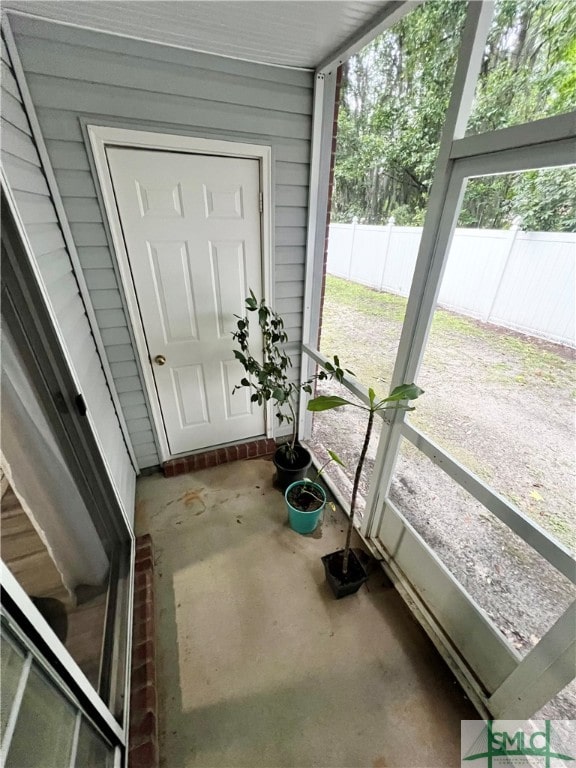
339, 584
287, 472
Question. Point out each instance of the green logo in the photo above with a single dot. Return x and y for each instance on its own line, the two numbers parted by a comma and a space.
500, 748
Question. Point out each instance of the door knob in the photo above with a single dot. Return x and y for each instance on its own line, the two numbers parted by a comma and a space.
159, 359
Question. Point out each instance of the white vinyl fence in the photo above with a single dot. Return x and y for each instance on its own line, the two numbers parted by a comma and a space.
519, 280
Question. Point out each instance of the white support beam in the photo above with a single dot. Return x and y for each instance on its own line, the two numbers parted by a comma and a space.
545, 671
515, 160
322, 133
535, 536
436, 236
437, 230
389, 15
527, 135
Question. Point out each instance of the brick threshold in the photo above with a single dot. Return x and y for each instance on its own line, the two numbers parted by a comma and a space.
262, 449
143, 738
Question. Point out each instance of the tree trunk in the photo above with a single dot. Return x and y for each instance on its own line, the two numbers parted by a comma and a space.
355, 492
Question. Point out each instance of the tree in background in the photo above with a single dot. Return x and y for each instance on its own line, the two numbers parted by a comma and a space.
394, 100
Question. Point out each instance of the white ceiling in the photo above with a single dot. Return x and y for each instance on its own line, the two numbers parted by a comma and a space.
286, 32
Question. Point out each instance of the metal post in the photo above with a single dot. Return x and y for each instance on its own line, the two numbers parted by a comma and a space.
389, 228
514, 229
438, 227
322, 130
351, 256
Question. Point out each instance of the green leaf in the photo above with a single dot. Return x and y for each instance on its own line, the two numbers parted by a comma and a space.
372, 396
336, 458
404, 392
326, 402
245, 382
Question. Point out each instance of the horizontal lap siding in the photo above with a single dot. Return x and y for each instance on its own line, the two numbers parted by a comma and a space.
23, 170
75, 73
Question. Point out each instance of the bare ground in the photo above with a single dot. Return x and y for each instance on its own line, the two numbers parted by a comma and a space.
500, 403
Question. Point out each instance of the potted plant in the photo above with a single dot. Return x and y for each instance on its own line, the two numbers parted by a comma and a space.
306, 499
269, 381
344, 572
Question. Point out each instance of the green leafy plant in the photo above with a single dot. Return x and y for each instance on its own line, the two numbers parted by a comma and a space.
269, 379
307, 487
395, 401
333, 458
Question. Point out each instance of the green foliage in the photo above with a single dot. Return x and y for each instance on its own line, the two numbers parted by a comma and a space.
268, 377
402, 392
333, 458
395, 96
396, 400
546, 200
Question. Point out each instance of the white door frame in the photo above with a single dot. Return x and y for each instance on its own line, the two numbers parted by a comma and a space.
103, 136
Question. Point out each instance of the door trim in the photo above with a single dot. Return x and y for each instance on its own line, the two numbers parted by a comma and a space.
103, 136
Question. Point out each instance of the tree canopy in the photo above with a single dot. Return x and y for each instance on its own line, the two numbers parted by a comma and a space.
395, 94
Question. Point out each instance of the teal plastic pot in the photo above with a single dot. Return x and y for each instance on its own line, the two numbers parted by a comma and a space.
301, 521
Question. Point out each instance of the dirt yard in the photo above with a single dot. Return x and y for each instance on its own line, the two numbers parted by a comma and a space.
501, 404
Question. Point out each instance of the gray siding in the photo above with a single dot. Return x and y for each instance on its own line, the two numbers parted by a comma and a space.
75, 73
23, 170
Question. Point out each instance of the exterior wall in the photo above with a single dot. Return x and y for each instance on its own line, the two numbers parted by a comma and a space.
22, 166
76, 74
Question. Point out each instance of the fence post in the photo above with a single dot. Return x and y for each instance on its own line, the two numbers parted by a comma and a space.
351, 257
390, 225
514, 229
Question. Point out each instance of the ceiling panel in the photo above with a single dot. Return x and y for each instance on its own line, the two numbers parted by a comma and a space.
285, 32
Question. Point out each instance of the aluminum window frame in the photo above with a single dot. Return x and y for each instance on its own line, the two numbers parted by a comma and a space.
81, 449
98, 719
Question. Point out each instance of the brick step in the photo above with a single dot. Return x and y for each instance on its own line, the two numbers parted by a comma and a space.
143, 741
262, 448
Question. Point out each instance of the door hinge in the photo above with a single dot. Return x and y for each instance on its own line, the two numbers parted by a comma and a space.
261, 202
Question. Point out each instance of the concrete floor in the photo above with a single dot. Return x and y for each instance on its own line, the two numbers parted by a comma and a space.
258, 665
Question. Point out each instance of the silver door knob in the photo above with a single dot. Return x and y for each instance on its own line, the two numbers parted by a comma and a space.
159, 359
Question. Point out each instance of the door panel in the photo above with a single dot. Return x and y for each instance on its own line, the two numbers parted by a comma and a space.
191, 225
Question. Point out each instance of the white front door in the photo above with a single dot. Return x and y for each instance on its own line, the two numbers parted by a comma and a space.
191, 225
